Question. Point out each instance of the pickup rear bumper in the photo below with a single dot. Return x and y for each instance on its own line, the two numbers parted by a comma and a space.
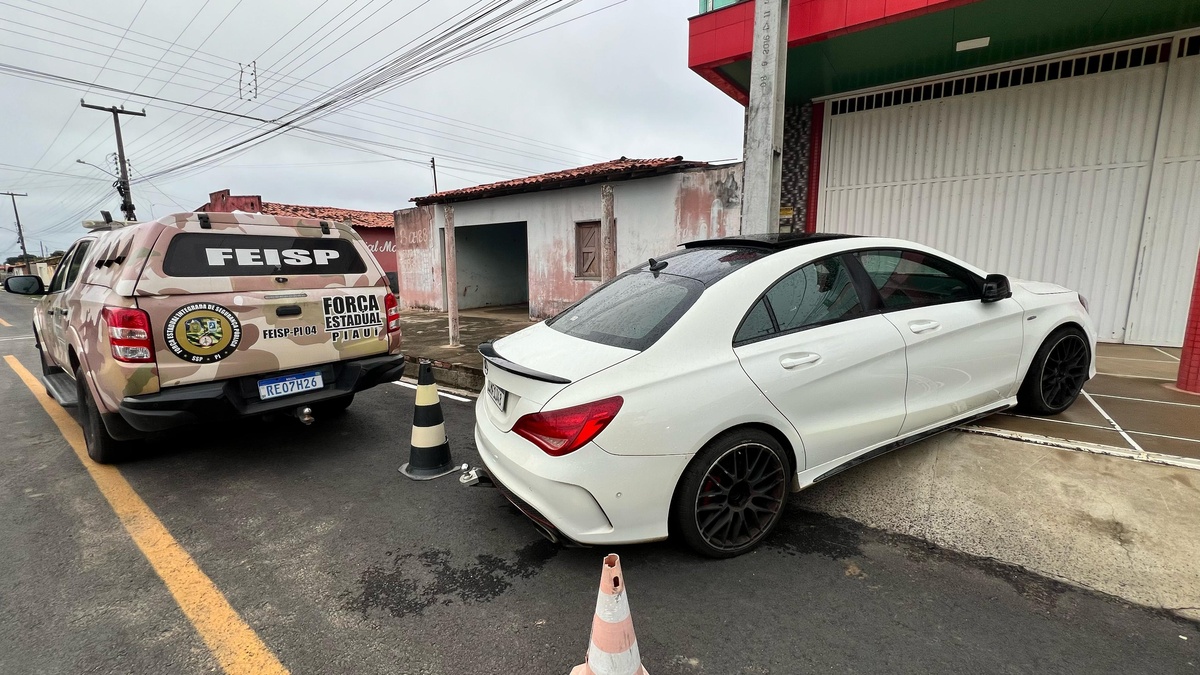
212, 401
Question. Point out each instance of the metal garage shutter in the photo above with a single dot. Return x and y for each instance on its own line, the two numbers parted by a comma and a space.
1039, 171
1172, 235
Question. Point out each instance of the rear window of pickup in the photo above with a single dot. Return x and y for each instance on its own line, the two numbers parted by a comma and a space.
195, 254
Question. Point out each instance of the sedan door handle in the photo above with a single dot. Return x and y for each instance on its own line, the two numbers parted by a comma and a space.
790, 361
923, 326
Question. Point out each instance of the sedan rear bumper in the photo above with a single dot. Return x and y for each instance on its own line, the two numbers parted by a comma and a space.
588, 497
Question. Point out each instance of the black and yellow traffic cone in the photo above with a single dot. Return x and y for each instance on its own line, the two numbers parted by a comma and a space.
429, 454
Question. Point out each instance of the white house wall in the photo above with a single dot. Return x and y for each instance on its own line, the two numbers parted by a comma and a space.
654, 215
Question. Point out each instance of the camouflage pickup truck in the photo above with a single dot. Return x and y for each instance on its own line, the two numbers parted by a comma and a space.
194, 318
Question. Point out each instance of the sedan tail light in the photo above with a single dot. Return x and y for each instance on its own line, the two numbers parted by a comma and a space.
559, 432
1083, 301
129, 334
392, 309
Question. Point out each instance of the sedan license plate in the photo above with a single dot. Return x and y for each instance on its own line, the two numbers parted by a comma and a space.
289, 384
498, 395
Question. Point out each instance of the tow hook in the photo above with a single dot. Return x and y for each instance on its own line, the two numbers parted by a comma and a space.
476, 477
305, 415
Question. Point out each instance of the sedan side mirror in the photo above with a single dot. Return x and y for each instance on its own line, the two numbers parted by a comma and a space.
25, 284
996, 288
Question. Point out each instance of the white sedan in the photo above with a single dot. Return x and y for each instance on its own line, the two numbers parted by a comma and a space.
691, 394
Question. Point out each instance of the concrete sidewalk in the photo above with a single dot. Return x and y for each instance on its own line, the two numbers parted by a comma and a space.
426, 336
1119, 526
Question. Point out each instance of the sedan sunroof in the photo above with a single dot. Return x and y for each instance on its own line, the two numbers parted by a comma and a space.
776, 241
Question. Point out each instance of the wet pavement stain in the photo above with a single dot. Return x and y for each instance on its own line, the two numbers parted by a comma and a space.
413, 583
807, 533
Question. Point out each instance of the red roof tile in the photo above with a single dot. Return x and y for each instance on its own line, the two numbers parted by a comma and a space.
617, 169
358, 218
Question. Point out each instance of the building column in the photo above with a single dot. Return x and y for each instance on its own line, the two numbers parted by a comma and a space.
763, 150
451, 275
1189, 364
608, 234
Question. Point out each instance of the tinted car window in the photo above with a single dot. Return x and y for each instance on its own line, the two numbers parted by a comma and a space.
757, 323
818, 293
631, 312
912, 279
76, 262
60, 274
68, 267
637, 308
196, 254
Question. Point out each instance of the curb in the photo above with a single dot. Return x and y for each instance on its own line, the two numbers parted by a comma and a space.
454, 375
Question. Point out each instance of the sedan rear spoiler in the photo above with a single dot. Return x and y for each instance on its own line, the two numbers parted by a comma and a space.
489, 353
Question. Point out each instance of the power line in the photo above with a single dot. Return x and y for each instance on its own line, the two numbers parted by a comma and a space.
481, 30
88, 90
464, 33
302, 84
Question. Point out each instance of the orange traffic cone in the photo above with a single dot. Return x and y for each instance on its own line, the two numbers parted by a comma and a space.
613, 649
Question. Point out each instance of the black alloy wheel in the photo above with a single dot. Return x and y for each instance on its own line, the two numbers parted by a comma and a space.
1057, 374
733, 495
1065, 371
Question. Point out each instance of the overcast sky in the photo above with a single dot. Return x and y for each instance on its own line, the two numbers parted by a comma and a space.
612, 83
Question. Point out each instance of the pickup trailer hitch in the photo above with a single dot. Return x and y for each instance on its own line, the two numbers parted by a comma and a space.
304, 414
476, 477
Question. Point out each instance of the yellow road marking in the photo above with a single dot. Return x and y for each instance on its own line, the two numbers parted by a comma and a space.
235, 645
5, 323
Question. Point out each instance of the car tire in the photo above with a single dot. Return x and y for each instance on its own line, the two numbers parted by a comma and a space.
333, 407
732, 494
102, 448
47, 369
1057, 374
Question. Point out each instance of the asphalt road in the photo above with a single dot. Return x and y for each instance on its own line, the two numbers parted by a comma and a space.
342, 566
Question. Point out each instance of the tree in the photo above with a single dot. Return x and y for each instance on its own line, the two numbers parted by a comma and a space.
19, 259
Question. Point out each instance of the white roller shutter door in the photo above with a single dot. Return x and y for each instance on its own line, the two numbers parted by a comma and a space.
1171, 243
1034, 176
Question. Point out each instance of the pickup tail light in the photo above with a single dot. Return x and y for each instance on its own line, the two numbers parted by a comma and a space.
392, 309
129, 334
559, 432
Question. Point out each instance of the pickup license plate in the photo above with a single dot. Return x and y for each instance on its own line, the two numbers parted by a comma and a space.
498, 395
289, 384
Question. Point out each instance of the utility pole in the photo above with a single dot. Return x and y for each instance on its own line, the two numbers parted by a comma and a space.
433, 165
123, 184
20, 233
764, 119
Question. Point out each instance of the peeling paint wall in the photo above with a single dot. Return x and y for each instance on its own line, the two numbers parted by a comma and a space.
418, 260
550, 219
656, 215
653, 216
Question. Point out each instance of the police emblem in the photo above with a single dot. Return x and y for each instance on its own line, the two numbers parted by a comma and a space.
202, 332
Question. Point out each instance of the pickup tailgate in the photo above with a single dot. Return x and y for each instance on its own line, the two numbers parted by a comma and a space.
228, 300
